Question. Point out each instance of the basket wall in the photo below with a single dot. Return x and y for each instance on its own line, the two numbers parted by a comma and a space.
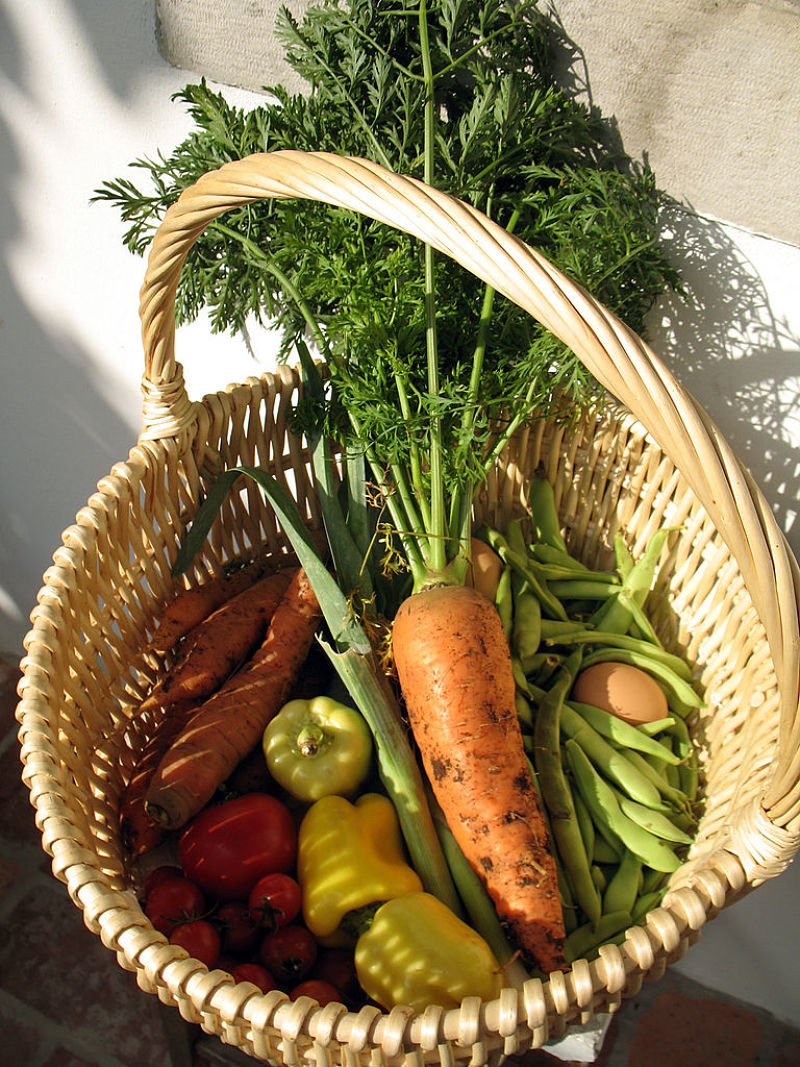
87, 669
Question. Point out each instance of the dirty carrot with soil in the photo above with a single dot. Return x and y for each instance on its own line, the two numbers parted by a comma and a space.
454, 668
138, 832
189, 607
230, 723
221, 643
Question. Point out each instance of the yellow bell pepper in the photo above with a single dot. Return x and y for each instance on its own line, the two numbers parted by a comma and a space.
350, 855
417, 953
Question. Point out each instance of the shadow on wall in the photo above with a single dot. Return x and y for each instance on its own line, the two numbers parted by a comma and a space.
58, 434
738, 360
724, 344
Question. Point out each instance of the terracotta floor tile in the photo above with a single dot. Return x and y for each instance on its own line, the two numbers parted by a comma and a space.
9, 676
17, 815
64, 1057
22, 1040
788, 1055
51, 962
695, 1033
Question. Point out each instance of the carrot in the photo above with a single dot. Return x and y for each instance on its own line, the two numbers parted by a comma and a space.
138, 832
454, 668
221, 643
189, 607
231, 722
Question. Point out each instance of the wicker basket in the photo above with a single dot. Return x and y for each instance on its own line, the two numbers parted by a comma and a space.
730, 605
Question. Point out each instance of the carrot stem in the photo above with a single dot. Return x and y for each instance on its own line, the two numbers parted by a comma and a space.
437, 547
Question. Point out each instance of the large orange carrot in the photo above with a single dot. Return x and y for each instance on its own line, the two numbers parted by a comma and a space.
454, 669
189, 607
221, 643
230, 723
138, 832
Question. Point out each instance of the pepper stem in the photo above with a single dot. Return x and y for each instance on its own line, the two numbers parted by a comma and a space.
309, 740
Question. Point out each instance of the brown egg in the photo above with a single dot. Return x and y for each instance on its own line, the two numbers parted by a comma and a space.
625, 691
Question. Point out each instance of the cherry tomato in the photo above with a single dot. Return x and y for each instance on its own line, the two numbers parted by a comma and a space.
159, 875
229, 846
337, 967
255, 973
275, 900
238, 931
200, 939
322, 992
289, 953
175, 900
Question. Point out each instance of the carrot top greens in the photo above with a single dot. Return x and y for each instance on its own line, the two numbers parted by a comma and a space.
425, 362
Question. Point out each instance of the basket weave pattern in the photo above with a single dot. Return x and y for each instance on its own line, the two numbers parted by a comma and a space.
730, 605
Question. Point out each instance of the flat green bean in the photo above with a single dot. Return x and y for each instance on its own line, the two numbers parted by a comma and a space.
553, 629
658, 726
672, 795
586, 938
623, 886
603, 851
623, 557
525, 567
652, 881
639, 620
515, 539
563, 572
640, 579
544, 514
542, 678
583, 589
672, 772
602, 802
503, 601
614, 764
599, 878
585, 824
569, 908
614, 615
522, 683
623, 733
544, 553
583, 635
531, 665
524, 710
557, 795
688, 770
619, 615
658, 824
646, 902
526, 627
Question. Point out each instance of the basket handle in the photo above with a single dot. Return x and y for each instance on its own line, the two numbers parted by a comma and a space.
616, 356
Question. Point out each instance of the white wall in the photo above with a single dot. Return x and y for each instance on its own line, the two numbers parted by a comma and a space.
83, 91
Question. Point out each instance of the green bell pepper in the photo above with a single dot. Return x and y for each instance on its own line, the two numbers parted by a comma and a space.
417, 952
317, 747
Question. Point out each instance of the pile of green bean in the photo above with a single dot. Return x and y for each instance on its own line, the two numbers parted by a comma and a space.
620, 799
